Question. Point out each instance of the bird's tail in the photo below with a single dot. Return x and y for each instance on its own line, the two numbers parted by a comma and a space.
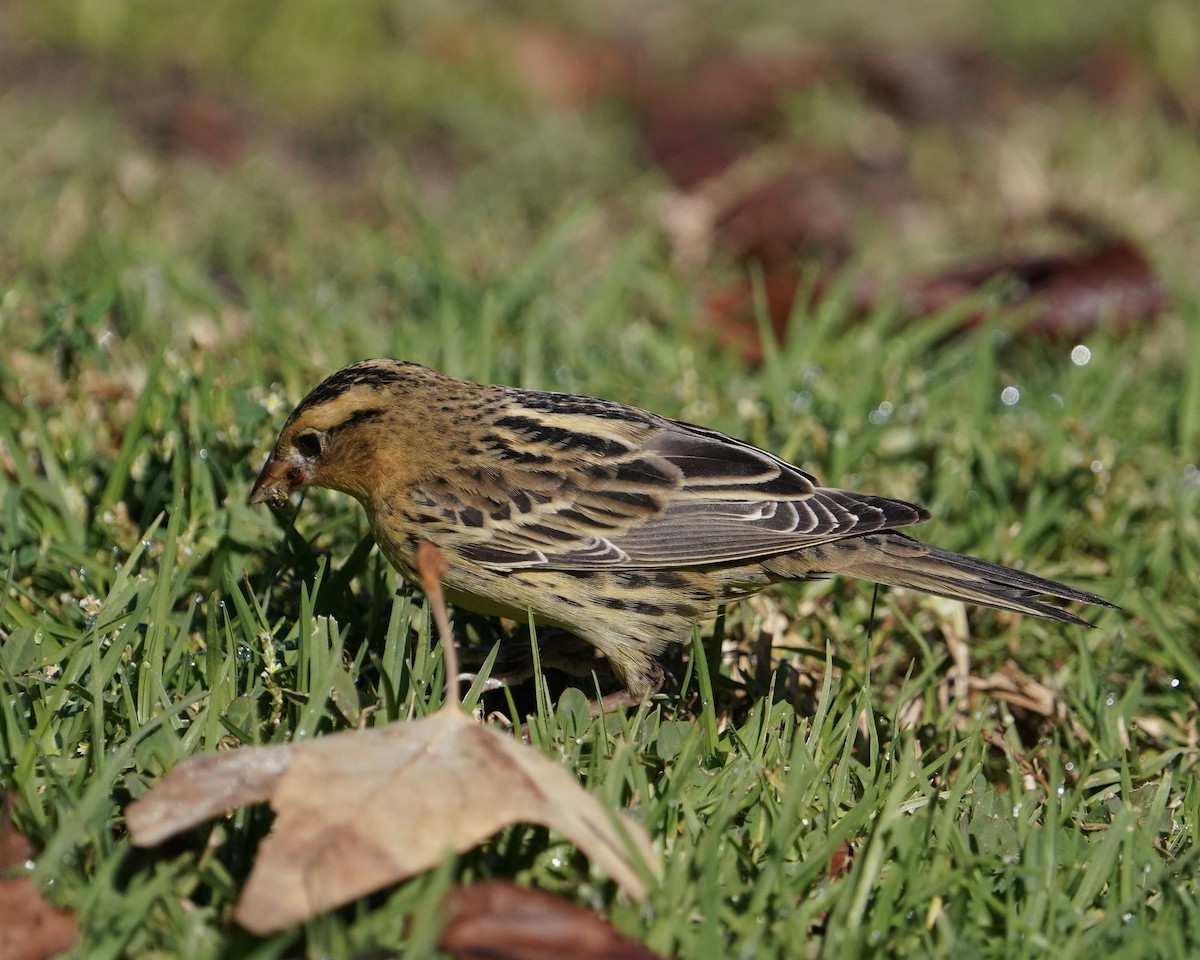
900, 561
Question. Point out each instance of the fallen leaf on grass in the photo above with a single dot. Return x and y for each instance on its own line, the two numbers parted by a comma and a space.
30, 928
840, 860
360, 809
498, 920
194, 124
1061, 297
731, 312
696, 126
1070, 294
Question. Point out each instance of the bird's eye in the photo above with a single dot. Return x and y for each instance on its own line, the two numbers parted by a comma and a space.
308, 445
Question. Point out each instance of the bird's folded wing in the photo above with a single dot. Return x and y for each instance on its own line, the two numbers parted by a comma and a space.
672, 495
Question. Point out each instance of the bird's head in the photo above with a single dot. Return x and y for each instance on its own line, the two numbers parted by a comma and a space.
334, 436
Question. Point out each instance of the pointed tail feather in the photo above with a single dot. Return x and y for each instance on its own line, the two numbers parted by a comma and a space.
900, 561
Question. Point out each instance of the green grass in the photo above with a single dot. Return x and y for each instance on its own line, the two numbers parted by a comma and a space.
160, 316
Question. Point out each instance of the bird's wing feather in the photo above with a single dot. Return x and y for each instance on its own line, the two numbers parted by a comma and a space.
643, 492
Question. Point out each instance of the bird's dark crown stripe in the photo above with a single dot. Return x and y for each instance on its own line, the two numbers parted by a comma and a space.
342, 381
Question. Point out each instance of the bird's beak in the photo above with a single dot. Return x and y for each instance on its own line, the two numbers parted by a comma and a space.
277, 479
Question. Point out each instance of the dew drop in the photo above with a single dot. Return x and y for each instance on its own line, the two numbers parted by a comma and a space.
1010, 396
1080, 355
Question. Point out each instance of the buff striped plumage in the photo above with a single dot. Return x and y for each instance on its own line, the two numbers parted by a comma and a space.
616, 523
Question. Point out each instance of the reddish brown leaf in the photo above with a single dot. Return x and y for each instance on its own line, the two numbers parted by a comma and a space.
840, 859
731, 312
695, 127
800, 209
566, 69
195, 124
563, 68
498, 920
1069, 294
30, 928
1117, 77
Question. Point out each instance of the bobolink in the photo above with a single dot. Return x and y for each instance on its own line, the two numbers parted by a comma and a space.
616, 524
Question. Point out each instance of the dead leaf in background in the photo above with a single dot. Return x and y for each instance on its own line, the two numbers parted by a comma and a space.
951, 85
840, 860
696, 126
1070, 294
201, 126
731, 312
30, 928
498, 920
1060, 297
360, 809
564, 68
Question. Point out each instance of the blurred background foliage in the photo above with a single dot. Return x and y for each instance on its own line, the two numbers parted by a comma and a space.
941, 250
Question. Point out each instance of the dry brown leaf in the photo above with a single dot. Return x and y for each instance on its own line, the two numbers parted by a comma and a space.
498, 920
30, 928
364, 808
195, 124
1071, 294
840, 860
204, 787
360, 809
697, 125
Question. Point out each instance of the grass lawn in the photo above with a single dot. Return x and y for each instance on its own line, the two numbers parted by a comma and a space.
205, 210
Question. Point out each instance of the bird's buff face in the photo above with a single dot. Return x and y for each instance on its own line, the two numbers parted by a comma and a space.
333, 438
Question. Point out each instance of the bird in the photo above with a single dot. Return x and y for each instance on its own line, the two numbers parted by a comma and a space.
618, 525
